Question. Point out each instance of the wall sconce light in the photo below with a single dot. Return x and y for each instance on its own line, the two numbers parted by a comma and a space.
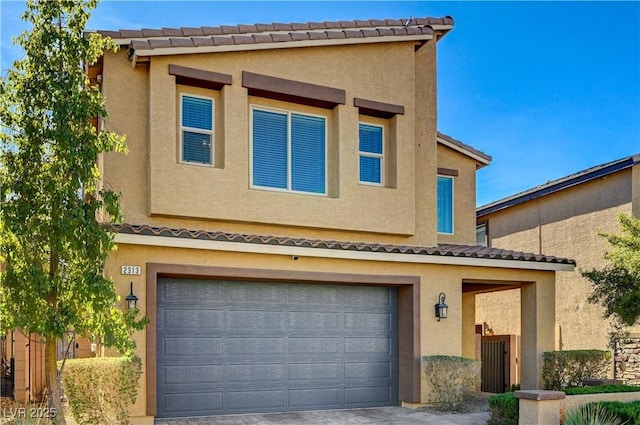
132, 300
441, 307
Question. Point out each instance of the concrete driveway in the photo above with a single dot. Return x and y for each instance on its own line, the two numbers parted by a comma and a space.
373, 416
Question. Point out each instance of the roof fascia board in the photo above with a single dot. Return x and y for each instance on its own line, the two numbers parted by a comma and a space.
165, 241
558, 185
277, 45
482, 161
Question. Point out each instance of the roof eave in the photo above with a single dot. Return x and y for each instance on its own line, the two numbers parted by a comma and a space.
558, 185
482, 160
137, 53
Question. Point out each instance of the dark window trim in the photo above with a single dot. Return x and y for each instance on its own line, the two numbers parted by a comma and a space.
447, 172
199, 77
292, 91
377, 109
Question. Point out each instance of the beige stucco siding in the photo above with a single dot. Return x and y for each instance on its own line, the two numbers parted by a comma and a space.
154, 182
565, 224
464, 196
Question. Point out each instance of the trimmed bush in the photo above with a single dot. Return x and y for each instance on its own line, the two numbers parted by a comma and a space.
100, 389
453, 381
600, 389
562, 369
504, 409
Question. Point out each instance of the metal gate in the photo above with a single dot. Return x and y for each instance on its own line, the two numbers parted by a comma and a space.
494, 358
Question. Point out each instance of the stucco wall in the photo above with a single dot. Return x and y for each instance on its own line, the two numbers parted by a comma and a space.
154, 183
464, 196
564, 224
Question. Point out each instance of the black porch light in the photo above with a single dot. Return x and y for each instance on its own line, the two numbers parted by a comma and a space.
441, 307
131, 299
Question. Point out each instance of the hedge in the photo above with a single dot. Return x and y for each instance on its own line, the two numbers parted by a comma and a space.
101, 389
563, 369
599, 389
453, 381
504, 409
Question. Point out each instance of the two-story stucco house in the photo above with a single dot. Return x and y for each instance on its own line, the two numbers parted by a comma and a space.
296, 216
564, 216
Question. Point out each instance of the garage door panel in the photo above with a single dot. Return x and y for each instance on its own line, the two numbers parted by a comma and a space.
192, 374
313, 320
243, 373
192, 347
193, 403
312, 371
252, 320
256, 400
315, 398
367, 370
367, 321
371, 296
254, 293
316, 294
256, 347
314, 346
369, 395
375, 345
190, 319
185, 291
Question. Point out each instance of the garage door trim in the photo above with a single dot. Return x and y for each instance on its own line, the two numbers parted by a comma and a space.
408, 313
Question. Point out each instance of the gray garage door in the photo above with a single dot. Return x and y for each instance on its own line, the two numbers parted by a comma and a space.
236, 347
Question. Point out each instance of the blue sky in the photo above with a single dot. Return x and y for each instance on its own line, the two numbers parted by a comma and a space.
546, 88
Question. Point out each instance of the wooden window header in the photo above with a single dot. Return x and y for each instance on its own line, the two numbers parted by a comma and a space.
447, 172
377, 109
199, 78
292, 91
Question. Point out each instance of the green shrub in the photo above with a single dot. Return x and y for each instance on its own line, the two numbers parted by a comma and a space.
591, 414
454, 381
562, 369
600, 389
100, 389
628, 413
504, 409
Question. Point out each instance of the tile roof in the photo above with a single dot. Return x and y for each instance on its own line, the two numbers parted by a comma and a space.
258, 34
560, 184
450, 250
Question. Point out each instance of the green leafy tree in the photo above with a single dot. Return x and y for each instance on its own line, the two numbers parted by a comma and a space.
617, 285
53, 238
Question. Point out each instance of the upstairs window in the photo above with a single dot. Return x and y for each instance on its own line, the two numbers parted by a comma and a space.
445, 205
196, 129
371, 151
288, 151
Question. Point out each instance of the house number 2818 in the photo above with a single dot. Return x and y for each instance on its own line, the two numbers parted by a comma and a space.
134, 270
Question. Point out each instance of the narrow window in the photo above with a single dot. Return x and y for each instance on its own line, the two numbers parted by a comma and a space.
445, 204
288, 151
196, 128
371, 151
482, 234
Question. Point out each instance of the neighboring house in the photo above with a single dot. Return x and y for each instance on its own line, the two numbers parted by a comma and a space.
292, 216
563, 217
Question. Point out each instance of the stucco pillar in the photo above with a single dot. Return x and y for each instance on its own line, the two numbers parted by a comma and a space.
538, 328
538, 407
469, 326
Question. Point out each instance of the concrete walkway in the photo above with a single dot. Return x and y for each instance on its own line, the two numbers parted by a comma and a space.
373, 416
